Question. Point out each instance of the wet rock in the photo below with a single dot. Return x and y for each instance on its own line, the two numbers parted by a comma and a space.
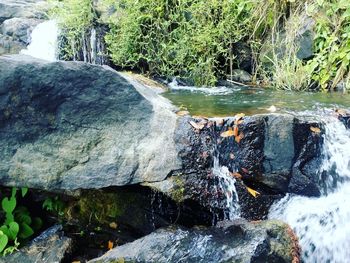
269, 241
10, 46
278, 154
241, 76
305, 38
69, 125
19, 28
50, 246
19, 8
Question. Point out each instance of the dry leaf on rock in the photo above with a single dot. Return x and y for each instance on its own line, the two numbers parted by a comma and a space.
252, 192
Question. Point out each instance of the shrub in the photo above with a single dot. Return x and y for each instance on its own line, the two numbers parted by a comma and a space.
189, 39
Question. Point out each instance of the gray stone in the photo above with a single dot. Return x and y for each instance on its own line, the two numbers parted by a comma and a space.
22, 8
241, 76
50, 247
269, 241
19, 28
10, 46
305, 38
70, 125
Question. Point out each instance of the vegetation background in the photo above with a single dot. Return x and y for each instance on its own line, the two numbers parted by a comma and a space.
200, 41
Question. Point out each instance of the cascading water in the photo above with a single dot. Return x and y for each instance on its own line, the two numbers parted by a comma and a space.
227, 185
322, 224
44, 41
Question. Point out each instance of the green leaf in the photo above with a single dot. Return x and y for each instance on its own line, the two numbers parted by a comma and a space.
13, 230
24, 191
3, 242
10, 231
24, 218
8, 205
25, 231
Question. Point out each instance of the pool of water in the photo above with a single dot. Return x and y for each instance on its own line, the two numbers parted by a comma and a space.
230, 101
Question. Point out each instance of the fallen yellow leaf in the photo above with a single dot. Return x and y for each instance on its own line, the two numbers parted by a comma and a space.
235, 131
236, 175
110, 245
315, 129
197, 126
252, 192
239, 138
228, 133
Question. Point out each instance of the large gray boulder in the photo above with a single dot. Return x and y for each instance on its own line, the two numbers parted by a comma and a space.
269, 241
70, 125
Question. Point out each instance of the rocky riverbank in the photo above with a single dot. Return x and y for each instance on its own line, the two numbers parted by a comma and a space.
116, 152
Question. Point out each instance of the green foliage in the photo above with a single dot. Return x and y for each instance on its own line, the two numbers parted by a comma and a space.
75, 17
17, 223
189, 39
193, 39
54, 205
332, 42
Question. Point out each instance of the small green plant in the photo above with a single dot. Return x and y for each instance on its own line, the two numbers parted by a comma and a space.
17, 225
54, 205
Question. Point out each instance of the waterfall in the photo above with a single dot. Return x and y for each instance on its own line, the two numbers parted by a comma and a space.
322, 224
44, 41
93, 46
227, 186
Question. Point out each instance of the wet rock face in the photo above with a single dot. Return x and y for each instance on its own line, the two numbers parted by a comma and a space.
277, 154
69, 125
269, 241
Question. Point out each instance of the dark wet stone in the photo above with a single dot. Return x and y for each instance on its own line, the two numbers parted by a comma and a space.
269, 241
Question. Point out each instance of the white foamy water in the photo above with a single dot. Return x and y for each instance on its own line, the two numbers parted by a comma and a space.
227, 185
174, 85
323, 224
44, 41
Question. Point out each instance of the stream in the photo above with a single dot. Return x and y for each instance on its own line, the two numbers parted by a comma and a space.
320, 223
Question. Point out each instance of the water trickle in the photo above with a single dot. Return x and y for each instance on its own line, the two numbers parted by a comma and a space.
174, 85
226, 185
44, 41
93, 45
322, 224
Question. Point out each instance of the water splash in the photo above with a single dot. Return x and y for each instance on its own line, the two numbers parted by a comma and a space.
322, 224
44, 41
174, 85
227, 186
